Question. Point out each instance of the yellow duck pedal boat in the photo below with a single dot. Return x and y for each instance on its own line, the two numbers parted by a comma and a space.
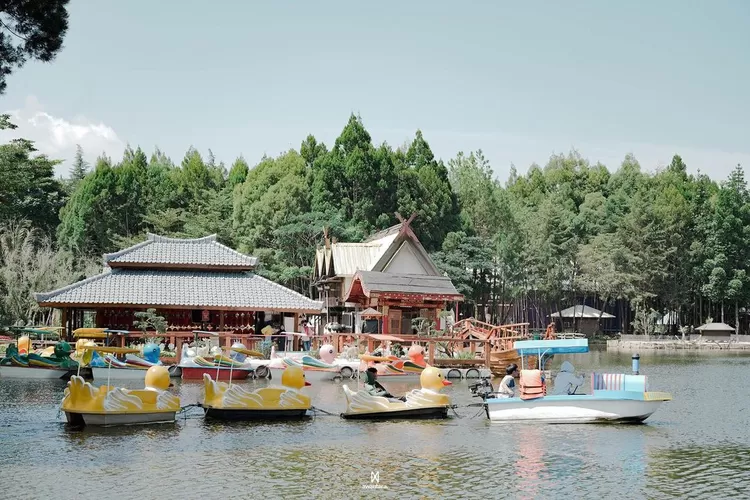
423, 403
85, 404
225, 401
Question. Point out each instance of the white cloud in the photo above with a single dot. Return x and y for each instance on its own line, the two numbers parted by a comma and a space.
57, 137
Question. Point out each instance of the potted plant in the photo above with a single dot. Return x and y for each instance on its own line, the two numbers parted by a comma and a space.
146, 320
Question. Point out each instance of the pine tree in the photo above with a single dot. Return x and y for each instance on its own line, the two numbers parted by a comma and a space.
80, 167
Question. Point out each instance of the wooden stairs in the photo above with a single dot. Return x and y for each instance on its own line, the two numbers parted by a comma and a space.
497, 339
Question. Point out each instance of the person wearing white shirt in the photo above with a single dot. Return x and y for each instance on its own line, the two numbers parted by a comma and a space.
305, 337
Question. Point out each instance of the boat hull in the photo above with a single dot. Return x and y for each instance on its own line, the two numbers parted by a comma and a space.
101, 374
412, 413
196, 373
310, 375
242, 414
112, 419
399, 376
32, 372
571, 410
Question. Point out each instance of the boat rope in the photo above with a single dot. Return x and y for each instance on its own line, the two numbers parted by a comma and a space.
194, 405
479, 413
185, 414
185, 410
315, 410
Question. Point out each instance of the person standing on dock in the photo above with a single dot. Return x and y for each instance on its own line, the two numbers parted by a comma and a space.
507, 387
305, 337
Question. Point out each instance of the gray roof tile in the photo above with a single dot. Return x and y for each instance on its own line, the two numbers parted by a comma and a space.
407, 283
586, 312
176, 252
244, 290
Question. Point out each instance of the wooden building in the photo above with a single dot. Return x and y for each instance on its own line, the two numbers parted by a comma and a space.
390, 272
716, 331
195, 284
581, 319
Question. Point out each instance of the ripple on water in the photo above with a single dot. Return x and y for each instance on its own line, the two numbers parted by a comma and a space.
682, 452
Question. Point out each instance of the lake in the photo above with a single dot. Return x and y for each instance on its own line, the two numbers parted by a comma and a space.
696, 446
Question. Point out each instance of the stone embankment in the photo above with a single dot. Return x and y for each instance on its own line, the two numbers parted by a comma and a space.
636, 343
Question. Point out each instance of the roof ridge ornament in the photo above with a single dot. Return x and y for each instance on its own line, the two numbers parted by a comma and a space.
166, 239
406, 224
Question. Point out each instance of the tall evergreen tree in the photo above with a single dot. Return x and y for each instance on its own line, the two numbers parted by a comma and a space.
80, 167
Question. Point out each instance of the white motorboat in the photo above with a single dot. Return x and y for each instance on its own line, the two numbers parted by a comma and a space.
614, 397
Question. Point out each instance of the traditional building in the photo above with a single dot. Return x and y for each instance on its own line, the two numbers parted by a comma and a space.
390, 272
195, 284
581, 319
714, 331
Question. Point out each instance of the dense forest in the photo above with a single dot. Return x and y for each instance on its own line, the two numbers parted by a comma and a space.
559, 234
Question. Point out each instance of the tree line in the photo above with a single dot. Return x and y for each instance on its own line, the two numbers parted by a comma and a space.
568, 231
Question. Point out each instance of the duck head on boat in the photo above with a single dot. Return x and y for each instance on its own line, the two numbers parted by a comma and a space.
393, 366
614, 397
228, 401
427, 402
85, 404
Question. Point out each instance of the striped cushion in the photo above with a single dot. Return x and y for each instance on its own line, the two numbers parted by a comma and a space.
618, 382
608, 381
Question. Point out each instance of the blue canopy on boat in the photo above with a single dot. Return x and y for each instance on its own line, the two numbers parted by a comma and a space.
550, 347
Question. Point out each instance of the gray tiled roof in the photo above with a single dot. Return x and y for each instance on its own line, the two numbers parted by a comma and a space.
407, 283
176, 251
245, 290
587, 312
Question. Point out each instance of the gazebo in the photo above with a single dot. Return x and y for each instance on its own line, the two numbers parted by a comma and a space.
716, 331
585, 317
195, 284
371, 320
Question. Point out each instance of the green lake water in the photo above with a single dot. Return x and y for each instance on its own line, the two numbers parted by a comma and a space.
696, 446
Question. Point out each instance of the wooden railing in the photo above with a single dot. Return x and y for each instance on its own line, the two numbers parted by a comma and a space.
468, 336
500, 337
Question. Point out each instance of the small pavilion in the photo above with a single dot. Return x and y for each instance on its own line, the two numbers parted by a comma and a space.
396, 293
582, 319
195, 284
716, 331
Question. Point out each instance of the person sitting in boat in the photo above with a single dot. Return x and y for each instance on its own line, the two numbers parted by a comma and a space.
373, 386
566, 381
507, 387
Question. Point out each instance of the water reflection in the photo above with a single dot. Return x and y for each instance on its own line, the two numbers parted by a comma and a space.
529, 464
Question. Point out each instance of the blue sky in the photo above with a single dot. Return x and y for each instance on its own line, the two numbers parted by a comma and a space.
521, 82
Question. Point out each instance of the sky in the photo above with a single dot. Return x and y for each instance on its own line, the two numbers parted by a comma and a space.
519, 80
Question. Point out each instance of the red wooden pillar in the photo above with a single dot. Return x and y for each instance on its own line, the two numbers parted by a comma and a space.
178, 348
386, 320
